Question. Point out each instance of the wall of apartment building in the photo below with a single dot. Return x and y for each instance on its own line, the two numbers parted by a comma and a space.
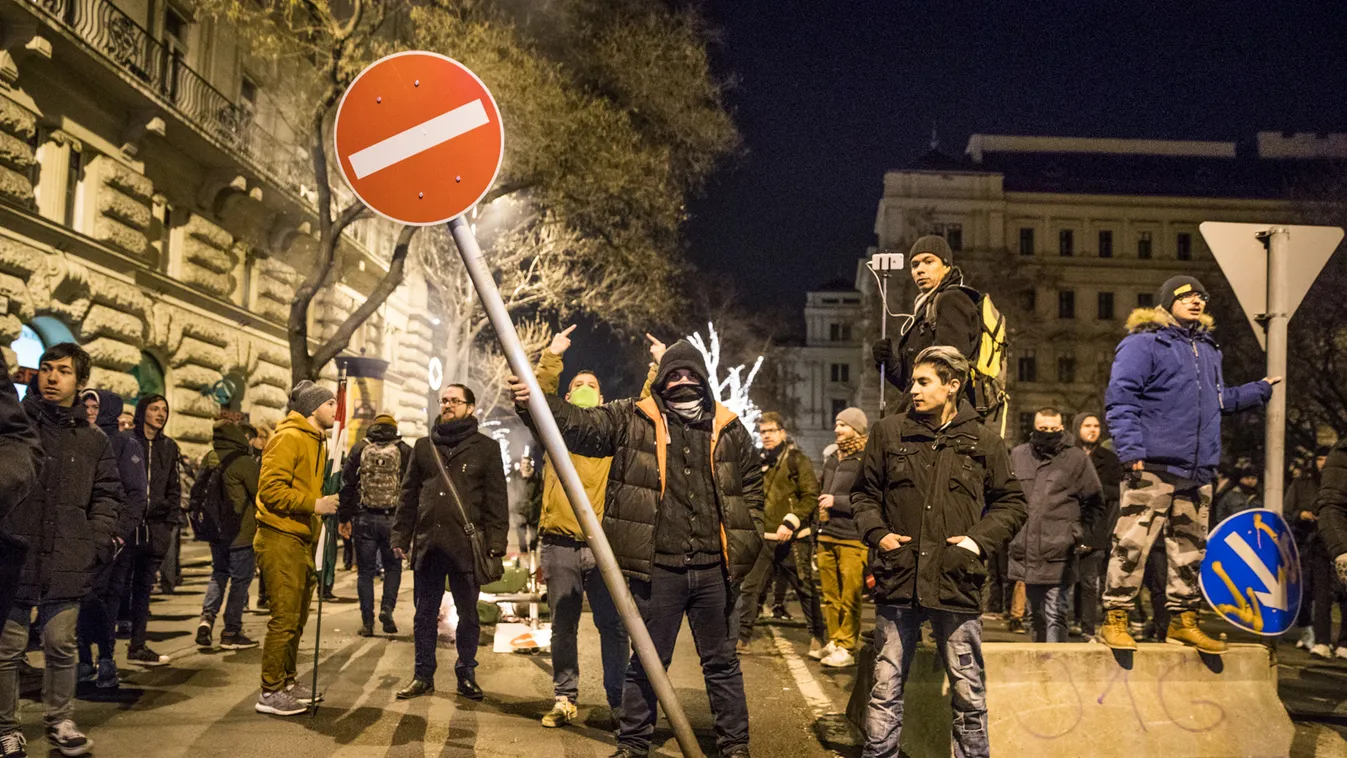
156, 244
827, 369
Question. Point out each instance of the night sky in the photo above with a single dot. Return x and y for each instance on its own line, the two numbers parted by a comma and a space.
830, 95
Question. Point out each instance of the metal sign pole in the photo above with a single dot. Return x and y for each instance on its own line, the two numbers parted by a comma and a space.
1278, 240
575, 489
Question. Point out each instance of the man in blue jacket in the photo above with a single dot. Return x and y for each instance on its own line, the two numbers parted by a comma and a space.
1165, 400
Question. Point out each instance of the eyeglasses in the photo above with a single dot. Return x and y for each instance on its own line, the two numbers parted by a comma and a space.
1194, 297
452, 401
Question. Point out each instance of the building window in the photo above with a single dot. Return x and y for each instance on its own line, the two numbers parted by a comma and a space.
1105, 306
1105, 243
1066, 243
839, 332
1066, 304
1066, 369
841, 372
74, 171
1145, 300
1026, 425
1026, 241
953, 234
1183, 245
839, 405
1026, 368
175, 30
1144, 245
1029, 300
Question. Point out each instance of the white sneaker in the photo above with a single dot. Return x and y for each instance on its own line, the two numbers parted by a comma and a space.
1341, 652
840, 658
1306, 640
819, 653
1321, 651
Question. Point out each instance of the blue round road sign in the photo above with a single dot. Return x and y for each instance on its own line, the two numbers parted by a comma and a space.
1251, 573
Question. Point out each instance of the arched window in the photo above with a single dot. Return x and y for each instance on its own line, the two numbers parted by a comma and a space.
149, 378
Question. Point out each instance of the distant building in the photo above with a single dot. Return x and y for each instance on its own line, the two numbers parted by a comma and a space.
827, 368
1070, 235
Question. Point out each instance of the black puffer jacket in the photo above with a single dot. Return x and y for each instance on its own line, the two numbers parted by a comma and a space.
635, 434
130, 464
1332, 502
161, 469
1110, 472
70, 518
931, 485
428, 514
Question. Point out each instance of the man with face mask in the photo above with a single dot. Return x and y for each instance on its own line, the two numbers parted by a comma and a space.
683, 513
1165, 399
1065, 499
943, 314
568, 564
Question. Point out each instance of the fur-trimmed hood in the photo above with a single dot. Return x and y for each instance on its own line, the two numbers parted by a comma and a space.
1155, 319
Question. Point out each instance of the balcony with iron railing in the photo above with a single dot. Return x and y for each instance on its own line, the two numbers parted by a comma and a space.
128, 45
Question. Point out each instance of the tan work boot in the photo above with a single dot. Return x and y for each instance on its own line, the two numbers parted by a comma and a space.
1183, 630
1114, 632
563, 712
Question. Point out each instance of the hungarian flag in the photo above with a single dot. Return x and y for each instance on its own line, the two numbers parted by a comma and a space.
336, 444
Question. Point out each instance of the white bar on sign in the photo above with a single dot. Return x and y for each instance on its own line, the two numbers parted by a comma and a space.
419, 139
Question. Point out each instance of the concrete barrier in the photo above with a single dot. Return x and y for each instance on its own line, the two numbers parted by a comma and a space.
1077, 699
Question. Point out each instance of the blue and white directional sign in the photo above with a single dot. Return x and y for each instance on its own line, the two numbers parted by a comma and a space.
1251, 574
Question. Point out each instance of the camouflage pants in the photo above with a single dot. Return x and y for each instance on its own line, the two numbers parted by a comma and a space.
1150, 507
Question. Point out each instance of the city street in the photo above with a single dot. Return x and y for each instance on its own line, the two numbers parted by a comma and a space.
202, 703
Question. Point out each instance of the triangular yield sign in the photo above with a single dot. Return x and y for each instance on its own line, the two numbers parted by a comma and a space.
1243, 259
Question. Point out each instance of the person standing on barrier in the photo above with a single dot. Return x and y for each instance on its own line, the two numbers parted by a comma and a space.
1064, 498
935, 495
683, 513
1094, 557
1165, 399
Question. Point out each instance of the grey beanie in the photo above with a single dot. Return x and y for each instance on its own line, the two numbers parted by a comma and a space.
307, 396
933, 244
855, 418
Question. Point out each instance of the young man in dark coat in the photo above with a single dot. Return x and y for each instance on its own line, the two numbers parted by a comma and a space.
98, 614
943, 314
370, 491
22, 453
431, 518
69, 521
683, 513
154, 538
233, 559
1090, 437
935, 495
1165, 399
1330, 511
1065, 500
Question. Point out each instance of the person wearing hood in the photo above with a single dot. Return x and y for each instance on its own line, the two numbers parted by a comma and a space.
98, 612
232, 559
943, 314
1090, 438
430, 516
371, 487
69, 523
1165, 399
683, 514
290, 502
22, 452
936, 494
154, 536
790, 497
841, 554
1244, 493
1065, 501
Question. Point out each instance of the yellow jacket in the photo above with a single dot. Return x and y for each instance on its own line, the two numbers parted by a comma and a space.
558, 517
292, 478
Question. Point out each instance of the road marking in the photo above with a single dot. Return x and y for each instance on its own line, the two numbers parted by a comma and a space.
809, 688
1275, 596
419, 138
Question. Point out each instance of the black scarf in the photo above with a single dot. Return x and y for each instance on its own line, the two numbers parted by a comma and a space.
451, 434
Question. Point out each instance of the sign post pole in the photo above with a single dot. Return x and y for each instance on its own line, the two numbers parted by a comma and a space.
1278, 241
547, 428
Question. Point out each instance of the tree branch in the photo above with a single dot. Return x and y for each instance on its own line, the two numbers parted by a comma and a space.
381, 292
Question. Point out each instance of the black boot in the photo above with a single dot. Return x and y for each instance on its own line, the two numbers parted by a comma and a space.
417, 688
386, 618
467, 687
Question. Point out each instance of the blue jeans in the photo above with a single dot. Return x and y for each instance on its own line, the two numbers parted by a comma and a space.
233, 568
958, 639
372, 531
705, 596
1048, 610
570, 573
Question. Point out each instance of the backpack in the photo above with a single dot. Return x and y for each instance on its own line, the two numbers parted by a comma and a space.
381, 475
209, 511
989, 363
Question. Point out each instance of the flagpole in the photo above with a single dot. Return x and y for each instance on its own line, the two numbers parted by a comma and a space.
331, 484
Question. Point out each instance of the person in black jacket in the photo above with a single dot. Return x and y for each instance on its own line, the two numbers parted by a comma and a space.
370, 492
430, 515
69, 521
1090, 436
154, 535
841, 554
945, 313
1330, 512
683, 513
98, 613
1299, 507
22, 453
935, 494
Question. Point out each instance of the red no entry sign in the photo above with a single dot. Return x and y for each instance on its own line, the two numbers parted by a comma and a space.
419, 138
